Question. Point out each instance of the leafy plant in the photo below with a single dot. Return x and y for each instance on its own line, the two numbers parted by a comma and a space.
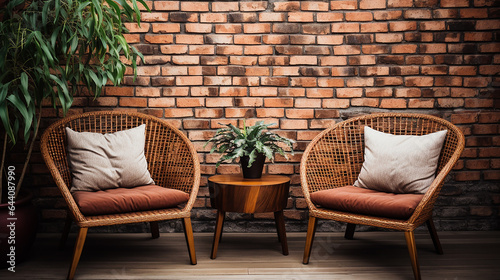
49, 51
233, 142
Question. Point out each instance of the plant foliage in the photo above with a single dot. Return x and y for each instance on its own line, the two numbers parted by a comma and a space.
50, 49
233, 142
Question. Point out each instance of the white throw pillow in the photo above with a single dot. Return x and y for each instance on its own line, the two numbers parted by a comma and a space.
104, 161
400, 163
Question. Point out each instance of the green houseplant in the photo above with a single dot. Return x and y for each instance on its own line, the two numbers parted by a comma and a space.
51, 50
252, 144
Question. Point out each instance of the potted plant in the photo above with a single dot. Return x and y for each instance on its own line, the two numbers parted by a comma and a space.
252, 145
51, 50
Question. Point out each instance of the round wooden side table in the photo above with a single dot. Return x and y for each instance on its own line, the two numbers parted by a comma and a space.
233, 193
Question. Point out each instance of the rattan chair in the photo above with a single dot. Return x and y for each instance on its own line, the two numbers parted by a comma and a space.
334, 159
172, 163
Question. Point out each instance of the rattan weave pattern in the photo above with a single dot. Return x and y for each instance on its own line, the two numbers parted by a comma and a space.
172, 161
335, 156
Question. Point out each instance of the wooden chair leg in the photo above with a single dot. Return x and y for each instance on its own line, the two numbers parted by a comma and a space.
280, 227
155, 230
311, 230
80, 241
188, 232
67, 228
218, 233
412, 249
434, 236
349, 231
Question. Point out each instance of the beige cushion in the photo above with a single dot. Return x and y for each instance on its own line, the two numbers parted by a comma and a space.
400, 163
104, 161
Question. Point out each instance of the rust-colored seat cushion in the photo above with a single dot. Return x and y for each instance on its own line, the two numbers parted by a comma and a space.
123, 200
368, 202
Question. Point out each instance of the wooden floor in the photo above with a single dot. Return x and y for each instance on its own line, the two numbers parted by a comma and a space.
371, 255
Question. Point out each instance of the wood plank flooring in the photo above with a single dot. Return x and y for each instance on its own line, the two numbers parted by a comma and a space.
371, 255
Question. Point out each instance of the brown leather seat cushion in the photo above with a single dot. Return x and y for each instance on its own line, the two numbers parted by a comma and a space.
368, 202
123, 200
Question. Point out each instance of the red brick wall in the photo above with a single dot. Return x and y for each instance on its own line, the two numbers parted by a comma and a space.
307, 64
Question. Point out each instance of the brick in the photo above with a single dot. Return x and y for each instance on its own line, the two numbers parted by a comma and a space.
272, 17
293, 124
344, 5
161, 102
119, 91
302, 39
300, 17
182, 17
198, 28
393, 103
336, 103
247, 39
248, 102
478, 103
225, 6
332, 60
400, 3
174, 70
148, 91
166, 27
154, 17
454, 3
374, 27
316, 28
417, 14
299, 113
159, 39
174, 49
201, 49
374, 71
329, 17
388, 38
276, 39
189, 80
387, 15
314, 71
360, 82
478, 36
208, 113
257, 28
296, 92
314, 6
291, 28
263, 91
257, 71
346, 50
246, 81
286, 6
185, 60
421, 103
233, 91
189, 39
463, 92
278, 102
229, 50
213, 60
176, 91
239, 113
274, 81
213, 17
242, 17
358, 16
359, 39
270, 112
345, 27
228, 28
349, 92
148, 70
135, 28
274, 60
372, 4
253, 6
434, 70
217, 81
330, 39
307, 103
243, 60
303, 60
433, 48
402, 26
450, 102
479, 129
319, 93
419, 81
330, 82
375, 49
231, 70
404, 48
166, 5
258, 50
365, 102
378, 92
304, 82
133, 102
204, 91
192, 6
467, 176
288, 50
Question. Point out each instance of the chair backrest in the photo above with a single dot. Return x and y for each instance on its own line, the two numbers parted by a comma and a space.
335, 156
172, 158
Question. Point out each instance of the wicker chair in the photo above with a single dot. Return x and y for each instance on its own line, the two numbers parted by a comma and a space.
334, 159
172, 162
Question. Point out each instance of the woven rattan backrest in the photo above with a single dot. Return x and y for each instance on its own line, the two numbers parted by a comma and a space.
335, 157
172, 160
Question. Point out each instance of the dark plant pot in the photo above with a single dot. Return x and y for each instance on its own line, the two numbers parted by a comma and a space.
254, 171
23, 234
